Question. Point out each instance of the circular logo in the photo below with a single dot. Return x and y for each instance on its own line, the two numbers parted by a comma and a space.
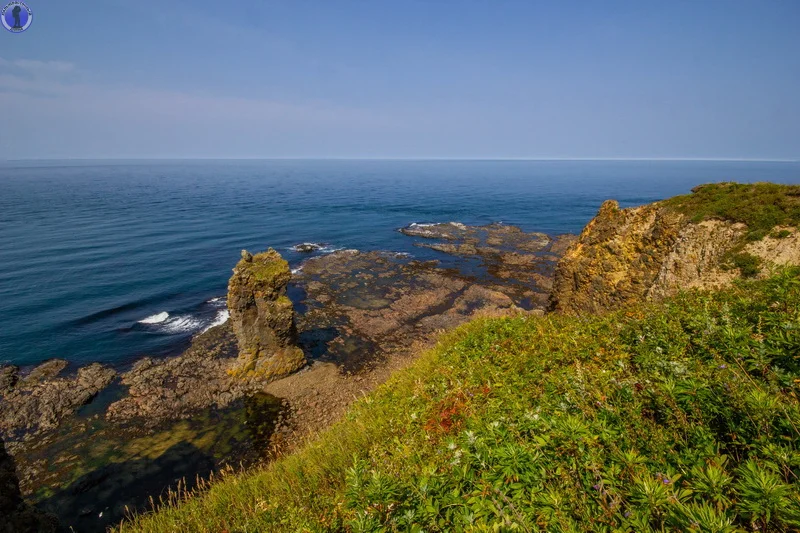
16, 17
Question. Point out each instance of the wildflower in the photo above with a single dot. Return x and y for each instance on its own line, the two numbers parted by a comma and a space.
666, 481
596, 486
722, 366
451, 446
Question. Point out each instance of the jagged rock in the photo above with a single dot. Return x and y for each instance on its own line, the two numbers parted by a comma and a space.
262, 317
15, 515
163, 389
247, 256
306, 247
45, 371
624, 256
40, 400
9, 375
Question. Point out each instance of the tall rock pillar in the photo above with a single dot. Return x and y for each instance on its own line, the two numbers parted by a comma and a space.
262, 317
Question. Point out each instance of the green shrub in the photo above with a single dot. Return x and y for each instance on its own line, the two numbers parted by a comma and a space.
748, 264
782, 234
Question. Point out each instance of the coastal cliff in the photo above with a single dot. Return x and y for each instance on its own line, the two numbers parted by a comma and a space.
706, 239
262, 316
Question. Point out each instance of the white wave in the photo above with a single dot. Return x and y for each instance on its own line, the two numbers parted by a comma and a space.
297, 270
222, 316
158, 318
330, 249
182, 324
423, 224
219, 300
459, 225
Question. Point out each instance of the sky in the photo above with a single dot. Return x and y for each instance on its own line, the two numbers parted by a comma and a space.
717, 79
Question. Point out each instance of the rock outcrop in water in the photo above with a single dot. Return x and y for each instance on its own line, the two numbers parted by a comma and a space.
38, 402
15, 515
625, 256
212, 372
262, 317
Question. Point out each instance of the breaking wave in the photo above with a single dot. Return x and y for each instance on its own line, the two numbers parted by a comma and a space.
158, 318
222, 316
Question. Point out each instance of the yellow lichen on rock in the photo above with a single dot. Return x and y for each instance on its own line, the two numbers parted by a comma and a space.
262, 317
649, 252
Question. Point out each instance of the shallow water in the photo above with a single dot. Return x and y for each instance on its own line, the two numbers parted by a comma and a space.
106, 261
90, 473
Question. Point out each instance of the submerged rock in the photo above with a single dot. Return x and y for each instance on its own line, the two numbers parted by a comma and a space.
15, 515
262, 317
45, 371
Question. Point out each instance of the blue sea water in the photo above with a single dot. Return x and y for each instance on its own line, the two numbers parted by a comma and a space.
109, 260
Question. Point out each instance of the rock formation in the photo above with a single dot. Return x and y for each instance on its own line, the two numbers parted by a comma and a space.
39, 401
627, 255
15, 515
262, 317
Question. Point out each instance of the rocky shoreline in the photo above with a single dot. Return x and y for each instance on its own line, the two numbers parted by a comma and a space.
280, 370
363, 315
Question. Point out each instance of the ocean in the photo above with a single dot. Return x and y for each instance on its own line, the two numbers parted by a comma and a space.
111, 260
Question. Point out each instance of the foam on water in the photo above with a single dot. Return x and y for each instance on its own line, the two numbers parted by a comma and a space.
422, 224
158, 318
222, 316
182, 324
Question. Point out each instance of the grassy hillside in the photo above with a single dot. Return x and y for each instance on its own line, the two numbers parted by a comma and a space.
678, 416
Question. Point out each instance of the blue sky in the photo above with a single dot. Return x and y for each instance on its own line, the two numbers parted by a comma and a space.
404, 79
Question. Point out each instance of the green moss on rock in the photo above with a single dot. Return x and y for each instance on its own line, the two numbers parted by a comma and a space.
262, 317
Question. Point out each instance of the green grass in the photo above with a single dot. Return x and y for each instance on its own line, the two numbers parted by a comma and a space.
681, 416
761, 206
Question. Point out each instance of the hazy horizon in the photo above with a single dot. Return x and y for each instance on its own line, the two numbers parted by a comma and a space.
618, 80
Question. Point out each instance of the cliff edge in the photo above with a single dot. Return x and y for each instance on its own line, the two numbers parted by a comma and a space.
702, 240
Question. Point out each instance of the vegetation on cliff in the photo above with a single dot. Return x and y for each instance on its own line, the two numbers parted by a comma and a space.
701, 240
677, 416
761, 206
